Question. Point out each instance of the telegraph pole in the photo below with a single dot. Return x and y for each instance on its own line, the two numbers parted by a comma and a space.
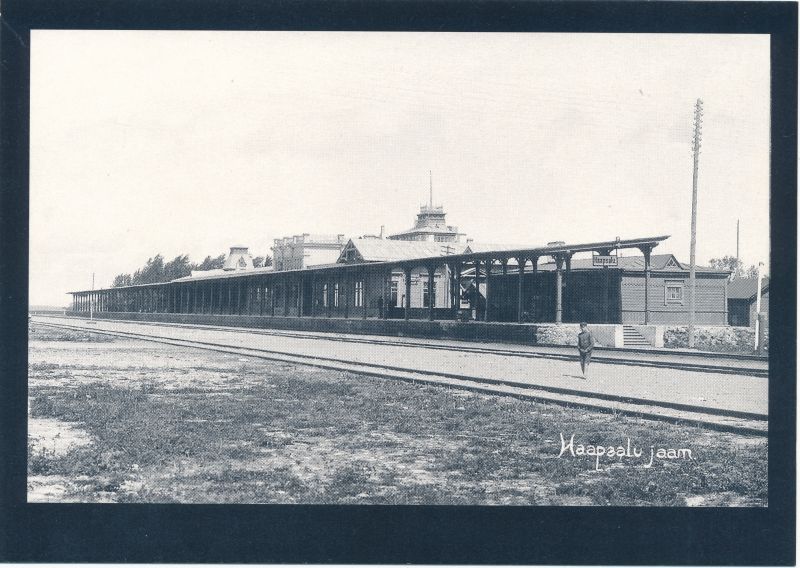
737, 244
698, 124
758, 304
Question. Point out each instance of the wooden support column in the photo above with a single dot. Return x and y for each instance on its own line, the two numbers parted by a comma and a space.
486, 310
431, 290
386, 294
329, 297
458, 286
238, 310
567, 287
451, 281
503, 291
364, 292
647, 252
301, 299
407, 308
346, 292
272, 297
559, 265
520, 288
285, 296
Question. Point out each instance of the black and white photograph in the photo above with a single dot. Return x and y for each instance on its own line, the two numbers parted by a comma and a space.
377, 268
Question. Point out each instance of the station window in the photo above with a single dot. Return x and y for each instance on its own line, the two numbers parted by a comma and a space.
673, 292
324, 295
359, 295
394, 289
336, 295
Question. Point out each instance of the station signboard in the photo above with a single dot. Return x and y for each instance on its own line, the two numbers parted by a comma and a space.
604, 260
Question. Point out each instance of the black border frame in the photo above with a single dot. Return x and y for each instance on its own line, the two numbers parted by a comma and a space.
381, 534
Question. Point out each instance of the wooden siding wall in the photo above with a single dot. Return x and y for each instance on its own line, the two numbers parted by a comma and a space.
710, 305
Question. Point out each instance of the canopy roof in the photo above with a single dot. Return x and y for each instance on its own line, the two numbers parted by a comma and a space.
412, 254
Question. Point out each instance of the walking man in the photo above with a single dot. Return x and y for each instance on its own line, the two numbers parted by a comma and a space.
585, 346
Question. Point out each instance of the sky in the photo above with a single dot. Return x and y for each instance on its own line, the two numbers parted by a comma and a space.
179, 142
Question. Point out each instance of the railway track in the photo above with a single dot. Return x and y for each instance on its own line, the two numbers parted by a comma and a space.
722, 363
707, 417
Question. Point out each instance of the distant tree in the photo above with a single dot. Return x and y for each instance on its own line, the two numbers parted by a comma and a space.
156, 270
752, 272
150, 273
731, 263
121, 280
267, 260
735, 266
211, 263
178, 267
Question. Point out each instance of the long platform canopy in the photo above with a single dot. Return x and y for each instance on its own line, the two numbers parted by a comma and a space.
554, 250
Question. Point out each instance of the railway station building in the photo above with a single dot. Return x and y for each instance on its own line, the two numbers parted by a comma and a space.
391, 279
430, 272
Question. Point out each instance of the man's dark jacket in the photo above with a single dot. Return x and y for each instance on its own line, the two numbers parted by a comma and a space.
585, 341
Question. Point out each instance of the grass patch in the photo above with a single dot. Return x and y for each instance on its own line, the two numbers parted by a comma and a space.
37, 332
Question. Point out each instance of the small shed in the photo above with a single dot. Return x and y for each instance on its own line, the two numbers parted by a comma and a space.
742, 300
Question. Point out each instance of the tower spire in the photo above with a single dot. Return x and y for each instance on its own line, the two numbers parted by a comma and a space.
430, 186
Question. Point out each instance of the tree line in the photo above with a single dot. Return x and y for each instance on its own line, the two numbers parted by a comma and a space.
156, 270
735, 266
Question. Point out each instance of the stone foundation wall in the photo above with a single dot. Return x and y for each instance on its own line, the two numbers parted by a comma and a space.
724, 339
525, 333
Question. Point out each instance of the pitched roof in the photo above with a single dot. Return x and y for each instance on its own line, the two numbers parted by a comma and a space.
745, 288
489, 247
383, 250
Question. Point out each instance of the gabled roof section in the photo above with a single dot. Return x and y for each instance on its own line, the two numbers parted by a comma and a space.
745, 288
384, 250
